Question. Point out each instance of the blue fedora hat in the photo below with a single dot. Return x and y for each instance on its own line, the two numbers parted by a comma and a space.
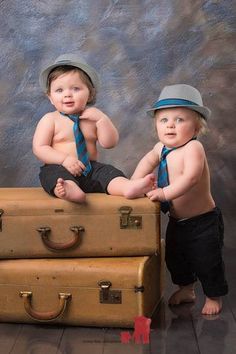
180, 95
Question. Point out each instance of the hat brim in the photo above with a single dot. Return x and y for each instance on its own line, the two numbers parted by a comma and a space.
204, 111
43, 78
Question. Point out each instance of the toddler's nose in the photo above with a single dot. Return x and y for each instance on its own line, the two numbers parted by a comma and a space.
171, 124
67, 93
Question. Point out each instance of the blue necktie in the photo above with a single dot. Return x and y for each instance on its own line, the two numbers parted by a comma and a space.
80, 143
163, 179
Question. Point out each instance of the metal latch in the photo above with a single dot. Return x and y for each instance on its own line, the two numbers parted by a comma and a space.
128, 221
1, 212
107, 296
139, 289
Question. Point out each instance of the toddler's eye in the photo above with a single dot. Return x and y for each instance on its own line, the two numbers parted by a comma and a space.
76, 88
163, 120
179, 120
59, 90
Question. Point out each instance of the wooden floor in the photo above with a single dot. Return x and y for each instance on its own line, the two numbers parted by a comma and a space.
178, 330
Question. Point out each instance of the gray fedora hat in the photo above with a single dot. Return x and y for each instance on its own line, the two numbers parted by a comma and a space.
71, 59
180, 95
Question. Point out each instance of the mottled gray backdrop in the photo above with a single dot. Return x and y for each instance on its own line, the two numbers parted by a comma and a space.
137, 46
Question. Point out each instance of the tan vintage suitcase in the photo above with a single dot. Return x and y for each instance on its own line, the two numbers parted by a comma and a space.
36, 225
80, 291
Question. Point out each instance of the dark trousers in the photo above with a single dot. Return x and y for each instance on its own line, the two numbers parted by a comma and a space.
95, 182
194, 251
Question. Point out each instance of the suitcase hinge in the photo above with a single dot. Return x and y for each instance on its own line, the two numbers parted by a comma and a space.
107, 296
1, 212
128, 221
138, 289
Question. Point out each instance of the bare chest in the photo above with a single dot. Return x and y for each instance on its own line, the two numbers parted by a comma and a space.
175, 164
64, 131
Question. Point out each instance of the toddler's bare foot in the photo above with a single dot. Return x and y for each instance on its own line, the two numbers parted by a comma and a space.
139, 187
183, 295
69, 190
212, 306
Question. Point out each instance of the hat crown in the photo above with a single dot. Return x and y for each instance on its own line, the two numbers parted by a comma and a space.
69, 58
181, 91
180, 95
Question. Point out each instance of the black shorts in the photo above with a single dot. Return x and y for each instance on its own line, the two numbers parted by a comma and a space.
95, 182
194, 251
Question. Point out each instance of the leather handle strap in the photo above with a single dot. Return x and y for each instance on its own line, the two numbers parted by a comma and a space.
56, 246
47, 315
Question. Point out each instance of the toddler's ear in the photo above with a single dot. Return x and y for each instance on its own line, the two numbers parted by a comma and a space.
197, 129
49, 97
92, 96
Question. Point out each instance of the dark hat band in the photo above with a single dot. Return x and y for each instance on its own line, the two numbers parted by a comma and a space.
173, 102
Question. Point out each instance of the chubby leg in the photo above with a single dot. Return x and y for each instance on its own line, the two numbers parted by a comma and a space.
68, 190
131, 189
213, 306
182, 295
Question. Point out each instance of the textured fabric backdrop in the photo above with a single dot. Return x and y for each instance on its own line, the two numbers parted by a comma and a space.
137, 46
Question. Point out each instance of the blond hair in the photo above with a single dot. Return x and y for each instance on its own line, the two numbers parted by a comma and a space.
202, 124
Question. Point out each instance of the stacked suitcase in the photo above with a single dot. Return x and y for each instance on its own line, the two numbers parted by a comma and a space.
92, 264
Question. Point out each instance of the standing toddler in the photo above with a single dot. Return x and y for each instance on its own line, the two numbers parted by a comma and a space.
194, 235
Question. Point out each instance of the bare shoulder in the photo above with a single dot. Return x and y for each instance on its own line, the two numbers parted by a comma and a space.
45, 128
155, 153
158, 148
195, 146
49, 118
193, 152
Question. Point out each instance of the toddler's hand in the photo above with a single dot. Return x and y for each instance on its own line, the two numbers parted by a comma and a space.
156, 195
73, 165
93, 114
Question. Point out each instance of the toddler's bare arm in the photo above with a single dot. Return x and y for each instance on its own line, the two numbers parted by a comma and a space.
147, 164
107, 134
194, 157
42, 141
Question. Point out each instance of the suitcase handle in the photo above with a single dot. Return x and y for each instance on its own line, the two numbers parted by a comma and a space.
47, 315
56, 246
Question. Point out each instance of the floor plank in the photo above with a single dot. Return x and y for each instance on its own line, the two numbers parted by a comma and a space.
113, 344
9, 333
179, 334
37, 339
82, 340
230, 260
215, 334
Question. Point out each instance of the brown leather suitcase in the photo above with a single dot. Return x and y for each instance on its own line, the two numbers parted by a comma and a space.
36, 225
80, 291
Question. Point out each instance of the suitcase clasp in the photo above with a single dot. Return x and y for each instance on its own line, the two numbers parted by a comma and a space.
1, 212
107, 296
128, 221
